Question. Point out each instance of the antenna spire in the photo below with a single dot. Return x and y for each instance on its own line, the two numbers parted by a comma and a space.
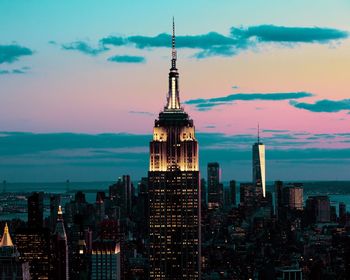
173, 51
258, 134
173, 98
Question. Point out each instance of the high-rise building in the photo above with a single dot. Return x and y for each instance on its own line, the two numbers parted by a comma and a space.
215, 188
36, 210
318, 209
60, 246
34, 247
248, 195
142, 208
227, 197
279, 198
10, 265
105, 260
100, 207
55, 201
233, 192
293, 196
259, 179
342, 213
174, 190
203, 192
121, 194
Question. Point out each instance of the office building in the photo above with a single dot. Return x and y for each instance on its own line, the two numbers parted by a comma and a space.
259, 178
318, 209
121, 194
105, 260
34, 247
292, 195
174, 190
233, 192
11, 267
60, 246
36, 210
215, 188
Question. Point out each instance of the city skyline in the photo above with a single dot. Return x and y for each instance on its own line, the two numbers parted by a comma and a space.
258, 190
95, 82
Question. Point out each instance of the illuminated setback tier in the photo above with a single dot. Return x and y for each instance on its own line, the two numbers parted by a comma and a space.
174, 147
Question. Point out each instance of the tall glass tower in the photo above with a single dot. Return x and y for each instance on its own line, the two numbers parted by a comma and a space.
174, 190
259, 179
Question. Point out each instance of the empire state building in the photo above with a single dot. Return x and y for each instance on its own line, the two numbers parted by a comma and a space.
174, 190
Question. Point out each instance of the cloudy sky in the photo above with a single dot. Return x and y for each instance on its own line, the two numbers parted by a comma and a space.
81, 83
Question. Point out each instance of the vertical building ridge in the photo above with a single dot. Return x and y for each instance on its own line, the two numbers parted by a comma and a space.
259, 173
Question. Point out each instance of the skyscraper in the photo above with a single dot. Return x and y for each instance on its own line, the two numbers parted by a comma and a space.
60, 248
121, 194
55, 201
203, 192
233, 192
342, 213
10, 265
293, 196
259, 165
33, 245
105, 260
174, 190
215, 189
36, 210
318, 209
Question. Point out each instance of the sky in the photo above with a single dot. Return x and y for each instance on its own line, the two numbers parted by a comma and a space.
82, 81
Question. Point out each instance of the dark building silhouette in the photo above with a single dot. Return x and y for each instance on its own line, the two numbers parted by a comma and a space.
227, 197
121, 194
215, 188
142, 208
249, 194
80, 220
174, 190
55, 201
100, 207
342, 213
36, 210
318, 209
279, 198
233, 192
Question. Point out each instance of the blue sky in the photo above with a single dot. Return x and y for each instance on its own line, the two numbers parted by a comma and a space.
283, 64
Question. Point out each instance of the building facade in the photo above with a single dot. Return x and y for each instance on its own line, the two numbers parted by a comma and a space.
174, 190
11, 267
105, 260
293, 197
259, 178
60, 246
215, 188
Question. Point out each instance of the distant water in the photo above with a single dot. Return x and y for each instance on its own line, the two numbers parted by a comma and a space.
338, 191
310, 187
58, 187
89, 188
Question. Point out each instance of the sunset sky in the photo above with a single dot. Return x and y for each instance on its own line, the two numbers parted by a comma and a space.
81, 83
